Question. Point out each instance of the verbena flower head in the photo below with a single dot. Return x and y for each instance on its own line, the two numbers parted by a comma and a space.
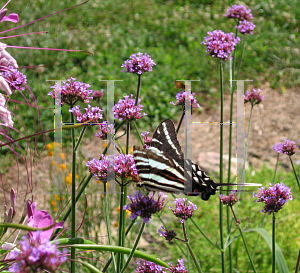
138, 64
125, 109
92, 114
240, 12
220, 44
229, 200
179, 268
14, 78
124, 166
72, 91
146, 139
149, 267
274, 197
37, 257
5, 114
104, 129
169, 235
245, 27
180, 97
98, 94
145, 205
182, 209
288, 147
40, 219
254, 97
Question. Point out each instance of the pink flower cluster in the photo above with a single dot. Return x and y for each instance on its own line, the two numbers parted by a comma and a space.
274, 197
240, 12
288, 147
72, 91
126, 109
138, 64
254, 97
146, 139
245, 27
92, 114
183, 210
124, 166
104, 129
229, 200
220, 44
180, 97
37, 257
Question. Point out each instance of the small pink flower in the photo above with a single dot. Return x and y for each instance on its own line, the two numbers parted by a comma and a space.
13, 17
40, 219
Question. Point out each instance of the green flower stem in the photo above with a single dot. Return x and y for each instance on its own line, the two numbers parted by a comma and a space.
80, 138
138, 90
245, 244
181, 119
73, 200
25, 227
137, 132
134, 248
273, 243
121, 220
127, 231
294, 171
221, 170
82, 188
276, 168
108, 224
190, 249
213, 244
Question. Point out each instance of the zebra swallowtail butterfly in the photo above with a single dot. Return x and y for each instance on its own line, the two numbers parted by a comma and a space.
161, 167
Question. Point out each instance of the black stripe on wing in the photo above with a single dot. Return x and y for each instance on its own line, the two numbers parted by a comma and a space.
165, 139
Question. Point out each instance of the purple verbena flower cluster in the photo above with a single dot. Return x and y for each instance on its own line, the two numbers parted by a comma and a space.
146, 139
182, 210
274, 197
169, 235
126, 109
245, 27
14, 78
104, 129
72, 91
36, 257
124, 166
92, 114
145, 206
288, 147
254, 97
149, 267
180, 97
240, 12
179, 268
138, 64
98, 94
229, 200
220, 44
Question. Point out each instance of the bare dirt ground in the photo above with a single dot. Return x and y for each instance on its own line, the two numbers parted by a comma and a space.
274, 120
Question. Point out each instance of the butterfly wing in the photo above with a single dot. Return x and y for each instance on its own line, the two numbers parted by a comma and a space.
158, 171
165, 139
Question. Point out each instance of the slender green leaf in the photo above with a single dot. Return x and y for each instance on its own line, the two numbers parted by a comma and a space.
281, 263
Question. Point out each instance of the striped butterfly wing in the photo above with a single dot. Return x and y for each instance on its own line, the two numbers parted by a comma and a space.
158, 171
161, 167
